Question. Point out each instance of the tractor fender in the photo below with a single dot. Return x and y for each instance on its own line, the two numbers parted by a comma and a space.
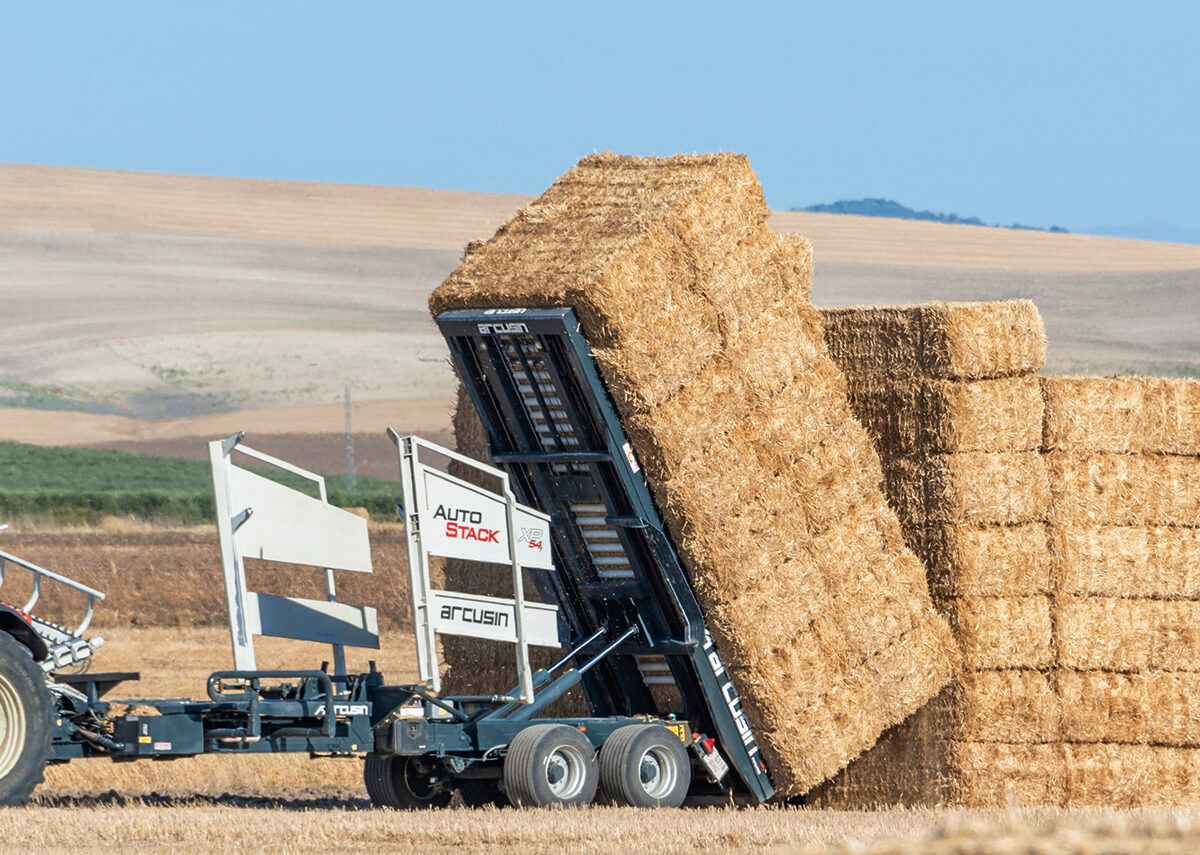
13, 622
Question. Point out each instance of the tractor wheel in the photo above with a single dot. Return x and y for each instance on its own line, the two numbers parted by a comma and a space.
405, 783
550, 764
26, 713
645, 765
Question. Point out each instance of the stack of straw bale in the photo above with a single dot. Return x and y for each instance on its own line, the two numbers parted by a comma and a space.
1124, 458
949, 394
1059, 519
697, 314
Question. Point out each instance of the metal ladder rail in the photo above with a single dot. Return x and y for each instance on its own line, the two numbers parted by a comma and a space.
65, 645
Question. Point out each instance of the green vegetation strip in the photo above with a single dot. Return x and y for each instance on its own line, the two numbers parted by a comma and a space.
83, 484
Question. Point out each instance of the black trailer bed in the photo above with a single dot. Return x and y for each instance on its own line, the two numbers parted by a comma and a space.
552, 425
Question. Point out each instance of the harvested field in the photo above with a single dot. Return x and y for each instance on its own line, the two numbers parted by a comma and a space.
725, 356
114, 825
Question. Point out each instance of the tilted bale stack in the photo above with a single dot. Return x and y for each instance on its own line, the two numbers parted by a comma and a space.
698, 317
950, 396
1124, 458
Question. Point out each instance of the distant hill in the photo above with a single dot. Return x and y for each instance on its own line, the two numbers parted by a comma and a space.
891, 208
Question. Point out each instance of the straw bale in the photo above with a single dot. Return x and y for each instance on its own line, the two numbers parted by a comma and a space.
1003, 414
979, 340
844, 599
996, 561
1011, 705
1003, 488
1003, 632
1122, 414
999, 775
859, 706
695, 313
775, 386
1152, 708
911, 417
883, 340
966, 341
1127, 561
1124, 489
1105, 633
1131, 776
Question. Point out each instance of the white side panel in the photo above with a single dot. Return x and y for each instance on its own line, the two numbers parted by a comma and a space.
290, 527
459, 520
492, 618
312, 620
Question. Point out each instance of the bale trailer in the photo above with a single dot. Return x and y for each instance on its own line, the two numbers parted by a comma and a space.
563, 498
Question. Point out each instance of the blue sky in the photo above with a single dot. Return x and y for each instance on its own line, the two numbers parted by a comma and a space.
1075, 114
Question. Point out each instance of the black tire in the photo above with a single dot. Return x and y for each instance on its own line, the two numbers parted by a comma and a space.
477, 793
26, 713
645, 765
405, 783
550, 764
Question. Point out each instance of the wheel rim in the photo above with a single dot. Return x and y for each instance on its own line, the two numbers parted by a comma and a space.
566, 772
12, 726
657, 772
416, 777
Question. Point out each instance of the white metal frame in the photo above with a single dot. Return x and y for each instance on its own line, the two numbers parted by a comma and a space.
414, 474
308, 528
65, 645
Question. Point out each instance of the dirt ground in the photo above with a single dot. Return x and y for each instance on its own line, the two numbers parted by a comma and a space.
157, 307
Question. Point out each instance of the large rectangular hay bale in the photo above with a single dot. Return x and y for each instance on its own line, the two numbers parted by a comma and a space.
973, 341
986, 488
1124, 489
988, 561
1003, 632
1000, 414
1113, 634
1008, 705
1122, 414
1001, 775
1152, 708
1127, 776
947, 416
965, 341
1127, 561
696, 315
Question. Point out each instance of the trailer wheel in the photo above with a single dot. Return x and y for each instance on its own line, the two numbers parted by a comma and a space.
550, 764
481, 793
405, 783
645, 765
25, 717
